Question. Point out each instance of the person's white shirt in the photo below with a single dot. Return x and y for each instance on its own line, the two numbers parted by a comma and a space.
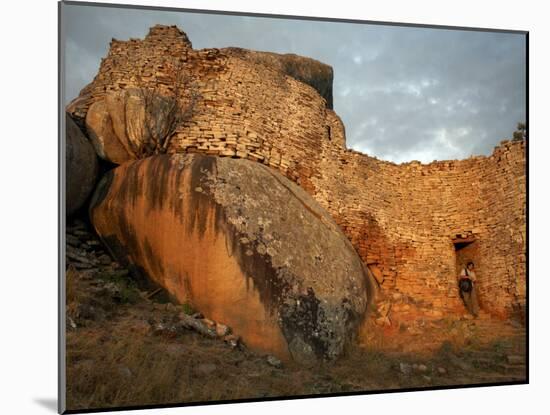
471, 274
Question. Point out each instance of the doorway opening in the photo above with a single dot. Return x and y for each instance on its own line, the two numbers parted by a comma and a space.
465, 251
466, 248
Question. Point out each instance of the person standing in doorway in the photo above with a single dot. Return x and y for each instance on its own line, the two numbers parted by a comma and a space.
467, 286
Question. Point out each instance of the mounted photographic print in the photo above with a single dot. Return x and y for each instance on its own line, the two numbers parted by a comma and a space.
270, 207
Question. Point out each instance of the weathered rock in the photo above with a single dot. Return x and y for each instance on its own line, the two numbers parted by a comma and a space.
165, 330
130, 124
232, 340
72, 240
459, 362
222, 330
273, 361
81, 167
104, 259
71, 324
198, 325
251, 249
405, 368
209, 323
99, 126
160, 33
421, 368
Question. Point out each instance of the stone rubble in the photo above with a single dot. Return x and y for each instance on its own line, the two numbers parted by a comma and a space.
273, 361
84, 252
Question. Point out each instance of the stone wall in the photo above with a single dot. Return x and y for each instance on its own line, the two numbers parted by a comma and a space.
401, 219
245, 110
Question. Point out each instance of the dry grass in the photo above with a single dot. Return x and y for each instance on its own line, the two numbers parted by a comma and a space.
115, 359
127, 368
71, 290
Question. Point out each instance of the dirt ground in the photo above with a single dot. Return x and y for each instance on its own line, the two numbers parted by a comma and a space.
126, 346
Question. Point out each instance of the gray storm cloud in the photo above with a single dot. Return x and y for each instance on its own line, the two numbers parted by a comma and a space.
403, 93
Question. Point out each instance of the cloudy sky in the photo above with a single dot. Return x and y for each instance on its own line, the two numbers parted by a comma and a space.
403, 93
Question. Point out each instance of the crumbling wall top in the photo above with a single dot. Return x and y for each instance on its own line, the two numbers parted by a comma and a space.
164, 33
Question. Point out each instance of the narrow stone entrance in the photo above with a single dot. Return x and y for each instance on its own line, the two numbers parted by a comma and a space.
466, 250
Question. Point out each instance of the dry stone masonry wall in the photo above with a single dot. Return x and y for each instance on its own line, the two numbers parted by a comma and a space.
401, 219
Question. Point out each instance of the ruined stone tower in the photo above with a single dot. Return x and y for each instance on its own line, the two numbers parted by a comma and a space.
414, 225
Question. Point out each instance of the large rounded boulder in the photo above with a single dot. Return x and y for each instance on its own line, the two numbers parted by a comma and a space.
132, 123
81, 167
242, 244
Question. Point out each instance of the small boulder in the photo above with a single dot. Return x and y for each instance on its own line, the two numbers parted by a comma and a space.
100, 128
273, 361
222, 330
422, 368
232, 340
460, 363
81, 167
405, 368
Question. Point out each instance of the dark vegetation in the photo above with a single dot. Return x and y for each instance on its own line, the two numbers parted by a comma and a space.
164, 114
521, 132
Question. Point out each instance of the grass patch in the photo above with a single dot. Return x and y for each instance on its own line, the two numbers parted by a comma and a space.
126, 288
188, 309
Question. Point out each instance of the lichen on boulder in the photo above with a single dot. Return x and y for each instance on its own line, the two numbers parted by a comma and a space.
241, 243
